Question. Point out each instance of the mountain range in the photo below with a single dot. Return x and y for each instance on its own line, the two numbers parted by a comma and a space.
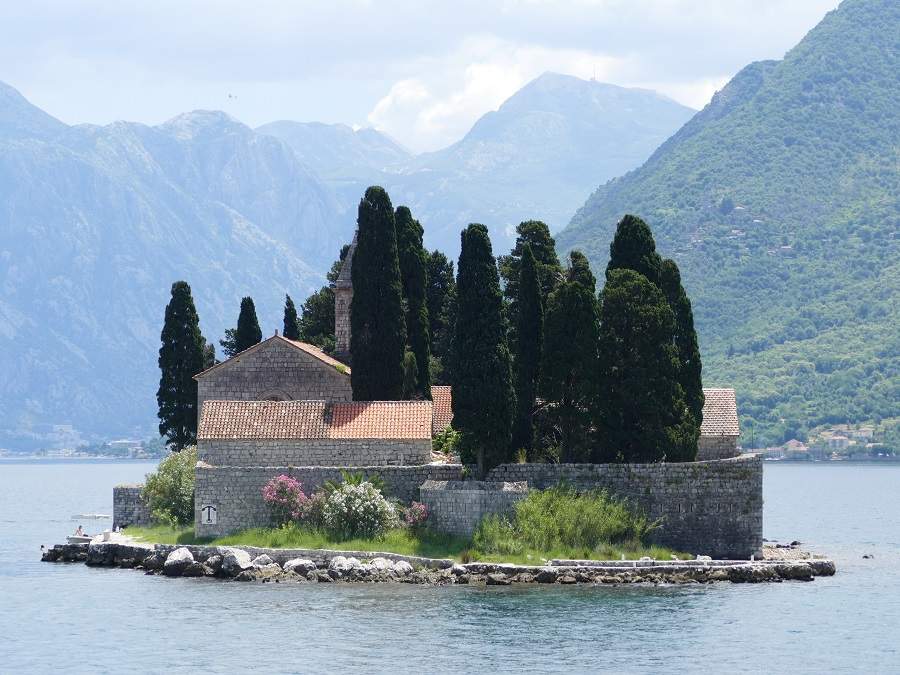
536, 157
96, 222
781, 203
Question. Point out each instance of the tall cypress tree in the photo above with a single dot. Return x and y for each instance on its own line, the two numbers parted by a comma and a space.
527, 359
569, 365
441, 312
641, 413
483, 395
413, 272
291, 323
377, 324
690, 373
634, 248
181, 356
580, 271
536, 235
248, 332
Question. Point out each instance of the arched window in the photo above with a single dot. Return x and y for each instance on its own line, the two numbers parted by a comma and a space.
275, 395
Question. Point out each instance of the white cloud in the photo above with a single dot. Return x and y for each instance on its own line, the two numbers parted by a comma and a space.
444, 99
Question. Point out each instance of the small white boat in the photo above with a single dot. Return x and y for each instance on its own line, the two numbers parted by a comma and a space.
91, 516
79, 539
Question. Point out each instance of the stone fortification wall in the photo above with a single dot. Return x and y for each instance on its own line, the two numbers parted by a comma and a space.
275, 370
717, 447
128, 507
707, 508
314, 452
236, 491
456, 507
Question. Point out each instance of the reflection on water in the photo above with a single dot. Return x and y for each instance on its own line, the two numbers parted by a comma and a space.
73, 618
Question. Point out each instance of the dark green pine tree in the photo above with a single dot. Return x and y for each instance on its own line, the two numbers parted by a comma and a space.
291, 323
209, 354
690, 373
580, 271
414, 276
535, 234
248, 332
634, 248
180, 358
377, 323
483, 395
527, 359
641, 413
569, 364
441, 313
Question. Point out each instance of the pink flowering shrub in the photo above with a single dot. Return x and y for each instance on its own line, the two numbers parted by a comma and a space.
285, 498
415, 515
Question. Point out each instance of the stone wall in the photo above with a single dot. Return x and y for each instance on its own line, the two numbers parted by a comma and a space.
456, 507
314, 452
236, 491
717, 447
128, 507
708, 508
275, 370
343, 296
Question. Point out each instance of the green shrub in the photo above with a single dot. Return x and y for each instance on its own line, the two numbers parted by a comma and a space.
358, 510
446, 441
562, 519
169, 491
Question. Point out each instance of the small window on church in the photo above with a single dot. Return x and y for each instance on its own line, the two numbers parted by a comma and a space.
274, 398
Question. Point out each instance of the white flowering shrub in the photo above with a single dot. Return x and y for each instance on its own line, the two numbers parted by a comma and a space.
358, 511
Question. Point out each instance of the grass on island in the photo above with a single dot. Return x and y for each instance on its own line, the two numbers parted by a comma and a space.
554, 523
403, 541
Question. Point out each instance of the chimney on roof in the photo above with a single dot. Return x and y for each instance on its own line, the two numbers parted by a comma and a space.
276, 332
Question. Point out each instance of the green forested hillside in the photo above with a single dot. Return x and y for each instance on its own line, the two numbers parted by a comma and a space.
780, 201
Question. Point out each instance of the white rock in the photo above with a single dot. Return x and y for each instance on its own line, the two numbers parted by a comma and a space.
261, 561
402, 568
458, 570
235, 561
380, 564
339, 563
300, 566
354, 563
177, 561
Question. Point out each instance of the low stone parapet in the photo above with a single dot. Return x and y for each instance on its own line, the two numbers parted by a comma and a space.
712, 508
129, 507
456, 507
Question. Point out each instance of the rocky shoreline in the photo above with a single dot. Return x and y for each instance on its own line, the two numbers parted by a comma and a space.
247, 563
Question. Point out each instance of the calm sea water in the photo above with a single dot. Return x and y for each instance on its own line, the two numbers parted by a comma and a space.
70, 618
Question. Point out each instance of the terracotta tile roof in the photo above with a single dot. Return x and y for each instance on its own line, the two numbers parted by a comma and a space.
256, 420
312, 350
442, 398
720, 416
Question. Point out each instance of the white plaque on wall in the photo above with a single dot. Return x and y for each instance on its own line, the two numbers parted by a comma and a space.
208, 514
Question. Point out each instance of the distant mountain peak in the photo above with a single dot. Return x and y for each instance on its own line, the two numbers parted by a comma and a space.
201, 122
20, 118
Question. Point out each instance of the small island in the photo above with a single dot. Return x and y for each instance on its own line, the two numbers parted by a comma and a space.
551, 435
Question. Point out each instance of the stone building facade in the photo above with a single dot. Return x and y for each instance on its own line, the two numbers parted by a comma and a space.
720, 429
343, 296
276, 369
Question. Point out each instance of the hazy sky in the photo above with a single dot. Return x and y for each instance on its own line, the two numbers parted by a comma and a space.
422, 71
